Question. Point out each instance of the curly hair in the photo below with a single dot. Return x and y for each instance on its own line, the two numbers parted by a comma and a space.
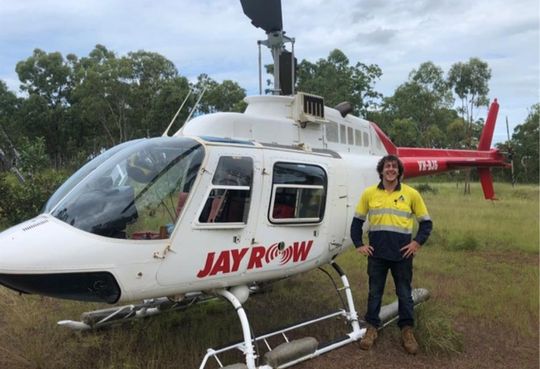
388, 158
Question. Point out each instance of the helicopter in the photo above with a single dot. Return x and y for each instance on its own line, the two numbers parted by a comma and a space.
229, 202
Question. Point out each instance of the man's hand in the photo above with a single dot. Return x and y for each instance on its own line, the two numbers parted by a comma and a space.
366, 250
410, 249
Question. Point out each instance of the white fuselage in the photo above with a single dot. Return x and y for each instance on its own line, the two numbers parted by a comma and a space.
204, 255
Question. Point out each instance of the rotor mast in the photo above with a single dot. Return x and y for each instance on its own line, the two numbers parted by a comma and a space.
266, 14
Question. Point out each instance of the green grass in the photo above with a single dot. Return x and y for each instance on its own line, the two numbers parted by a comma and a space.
510, 223
481, 267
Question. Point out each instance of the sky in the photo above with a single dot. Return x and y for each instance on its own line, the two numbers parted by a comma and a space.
216, 38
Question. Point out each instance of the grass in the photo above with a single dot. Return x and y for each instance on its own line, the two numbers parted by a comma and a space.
510, 223
480, 265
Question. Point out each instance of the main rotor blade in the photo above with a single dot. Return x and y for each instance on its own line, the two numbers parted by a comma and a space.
265, 14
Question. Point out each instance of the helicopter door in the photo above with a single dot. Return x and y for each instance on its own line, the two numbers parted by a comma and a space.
293, 208
338, 208
338, 224
214, 235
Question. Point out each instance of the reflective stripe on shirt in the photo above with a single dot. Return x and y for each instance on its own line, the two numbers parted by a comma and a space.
374, 228
360, 216
399, 213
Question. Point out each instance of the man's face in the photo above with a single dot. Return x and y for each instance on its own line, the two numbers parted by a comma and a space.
390, 171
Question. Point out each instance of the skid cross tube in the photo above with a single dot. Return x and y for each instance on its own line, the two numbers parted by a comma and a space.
247, 345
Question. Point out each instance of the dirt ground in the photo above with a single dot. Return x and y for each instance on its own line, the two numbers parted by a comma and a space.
484, 347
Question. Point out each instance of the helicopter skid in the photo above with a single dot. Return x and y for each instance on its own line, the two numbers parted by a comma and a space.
105, 317
292, 352
97, 319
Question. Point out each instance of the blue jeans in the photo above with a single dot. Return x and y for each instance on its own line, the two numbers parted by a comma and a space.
402, 275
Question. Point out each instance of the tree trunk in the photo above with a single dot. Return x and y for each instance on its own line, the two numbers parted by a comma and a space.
467, 182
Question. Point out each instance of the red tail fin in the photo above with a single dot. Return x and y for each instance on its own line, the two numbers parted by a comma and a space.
487, 183
489, 127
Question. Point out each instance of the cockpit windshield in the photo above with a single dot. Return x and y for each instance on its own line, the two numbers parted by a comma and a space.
138, 192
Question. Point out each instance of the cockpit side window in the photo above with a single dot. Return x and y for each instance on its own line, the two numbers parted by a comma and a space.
230, 195
298, 193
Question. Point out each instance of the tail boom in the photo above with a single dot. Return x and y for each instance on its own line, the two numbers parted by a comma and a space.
423, 161
419, 162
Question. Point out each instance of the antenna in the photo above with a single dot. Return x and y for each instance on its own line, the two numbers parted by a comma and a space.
511, 153
266, 14
166, 133
196, 104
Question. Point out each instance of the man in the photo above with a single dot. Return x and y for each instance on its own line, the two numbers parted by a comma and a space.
389, 206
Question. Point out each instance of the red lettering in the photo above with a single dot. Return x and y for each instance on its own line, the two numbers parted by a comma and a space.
257, 254
301, 250
223, 264
207, 266
237, 256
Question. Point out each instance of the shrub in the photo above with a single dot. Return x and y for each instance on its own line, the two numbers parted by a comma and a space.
425, 188
21, 201
436, 334
463, 242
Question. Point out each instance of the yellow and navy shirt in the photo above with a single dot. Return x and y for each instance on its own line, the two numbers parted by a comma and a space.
391, 220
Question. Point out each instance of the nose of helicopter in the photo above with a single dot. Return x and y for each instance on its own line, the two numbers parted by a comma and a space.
33, 260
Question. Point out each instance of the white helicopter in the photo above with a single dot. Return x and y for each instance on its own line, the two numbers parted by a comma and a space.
229, 201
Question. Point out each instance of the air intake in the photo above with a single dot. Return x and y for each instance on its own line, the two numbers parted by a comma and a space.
308, 108
34, 225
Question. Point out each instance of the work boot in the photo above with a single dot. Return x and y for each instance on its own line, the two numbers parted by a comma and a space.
409, 342
369, 338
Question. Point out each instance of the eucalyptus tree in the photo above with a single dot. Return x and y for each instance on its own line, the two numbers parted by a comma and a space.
337, 80
8, 128
525, 147
470, 82
127, 97
424, 103
218, 97
47, 78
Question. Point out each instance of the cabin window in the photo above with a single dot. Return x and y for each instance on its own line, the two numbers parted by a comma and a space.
230, 193
298, 193
357, 137
350, 136
332, 132
342, 134
366, 139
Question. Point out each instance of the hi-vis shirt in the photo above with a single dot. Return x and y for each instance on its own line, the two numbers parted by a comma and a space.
391, 221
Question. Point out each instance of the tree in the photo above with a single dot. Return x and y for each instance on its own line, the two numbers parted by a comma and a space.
431, 78
48, 80
336, 80
152, 78
455, 133
225, 96
525, 147
47, 75
403, 132
166, 102
120, 98
424, 99
101, 97
470, 83
9, 103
